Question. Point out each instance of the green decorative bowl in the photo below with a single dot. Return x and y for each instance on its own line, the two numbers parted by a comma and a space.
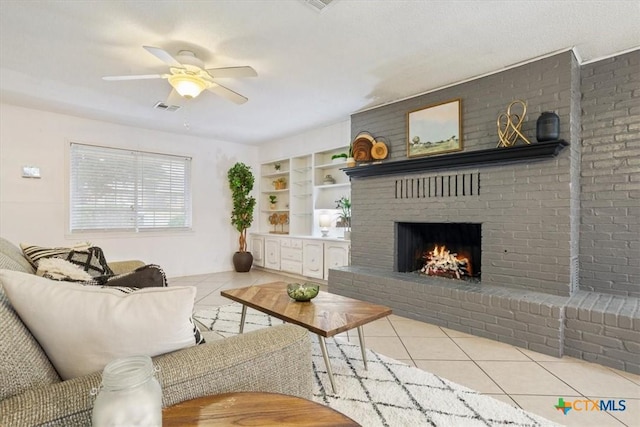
303, 291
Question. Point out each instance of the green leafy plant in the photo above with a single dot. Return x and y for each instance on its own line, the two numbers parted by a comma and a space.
276, 166
338, 156
273, 199
344, 205
241, 183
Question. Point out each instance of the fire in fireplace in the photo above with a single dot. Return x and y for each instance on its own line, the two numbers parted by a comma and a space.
442, 262
450, 250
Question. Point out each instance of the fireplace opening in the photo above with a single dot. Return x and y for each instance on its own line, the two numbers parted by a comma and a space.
450, 250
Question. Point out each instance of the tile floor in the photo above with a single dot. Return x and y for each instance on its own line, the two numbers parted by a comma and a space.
520, 377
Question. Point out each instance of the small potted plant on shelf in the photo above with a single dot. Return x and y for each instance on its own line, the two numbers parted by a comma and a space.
344, 216
241, 183
272, 202
277, 166
351, 162
280, 183
339, 158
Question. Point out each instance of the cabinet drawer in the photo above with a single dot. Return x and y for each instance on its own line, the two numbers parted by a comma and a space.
296, 243
285, 243
291, 266
291, 254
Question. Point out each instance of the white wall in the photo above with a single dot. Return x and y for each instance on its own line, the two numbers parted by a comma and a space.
35, 210
319, 139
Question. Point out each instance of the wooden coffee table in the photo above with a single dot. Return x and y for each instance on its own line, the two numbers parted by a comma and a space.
326, 315
253, 409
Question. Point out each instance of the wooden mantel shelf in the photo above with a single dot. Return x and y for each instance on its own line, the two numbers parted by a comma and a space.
537, 150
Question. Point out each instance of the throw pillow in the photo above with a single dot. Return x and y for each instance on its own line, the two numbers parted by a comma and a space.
35, 253
82, 328
60, 269
147, 276
90, 258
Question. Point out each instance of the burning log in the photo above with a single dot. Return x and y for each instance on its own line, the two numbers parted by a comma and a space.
441, 262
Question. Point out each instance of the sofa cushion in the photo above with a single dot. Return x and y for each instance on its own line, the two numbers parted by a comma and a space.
11, 257
82, 328
23, 363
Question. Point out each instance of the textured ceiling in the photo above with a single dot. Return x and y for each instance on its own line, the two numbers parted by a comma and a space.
315, 68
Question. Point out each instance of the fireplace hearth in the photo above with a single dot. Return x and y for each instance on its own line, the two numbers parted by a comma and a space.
451, 250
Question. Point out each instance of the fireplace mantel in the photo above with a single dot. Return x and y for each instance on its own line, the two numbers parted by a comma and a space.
535, 151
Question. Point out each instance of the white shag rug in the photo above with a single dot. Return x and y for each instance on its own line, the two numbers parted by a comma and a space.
389, 393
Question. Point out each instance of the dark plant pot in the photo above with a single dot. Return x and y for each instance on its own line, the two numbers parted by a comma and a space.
242, 261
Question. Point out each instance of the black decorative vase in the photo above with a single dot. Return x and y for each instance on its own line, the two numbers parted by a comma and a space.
548, 127
242, 261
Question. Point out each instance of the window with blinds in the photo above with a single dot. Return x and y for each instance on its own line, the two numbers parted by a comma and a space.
125, 190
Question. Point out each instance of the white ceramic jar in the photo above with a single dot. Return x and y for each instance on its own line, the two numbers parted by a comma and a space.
130, 394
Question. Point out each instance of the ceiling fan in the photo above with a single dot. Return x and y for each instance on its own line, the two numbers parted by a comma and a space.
189, 78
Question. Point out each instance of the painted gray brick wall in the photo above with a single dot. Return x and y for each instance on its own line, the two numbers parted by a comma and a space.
526, 209
521, 318
610, 178
567, 226
603, 328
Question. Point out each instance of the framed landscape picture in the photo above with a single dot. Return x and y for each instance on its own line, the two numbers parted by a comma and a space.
435, 129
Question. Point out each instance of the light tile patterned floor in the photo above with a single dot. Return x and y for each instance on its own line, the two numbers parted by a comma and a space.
514, 375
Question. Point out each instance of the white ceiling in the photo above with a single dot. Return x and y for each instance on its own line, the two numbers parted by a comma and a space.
315, 68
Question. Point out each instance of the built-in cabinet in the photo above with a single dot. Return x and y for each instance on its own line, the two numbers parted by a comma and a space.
256, 247
305, 256
336, 254
303, 187
313, 256
272, 253
294, 193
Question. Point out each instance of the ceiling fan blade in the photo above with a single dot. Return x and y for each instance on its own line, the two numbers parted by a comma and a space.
163, 56
136, 77
232, 72
228, 94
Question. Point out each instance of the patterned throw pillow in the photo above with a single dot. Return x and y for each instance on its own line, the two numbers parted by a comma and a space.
35, 253
61, 269
90, 258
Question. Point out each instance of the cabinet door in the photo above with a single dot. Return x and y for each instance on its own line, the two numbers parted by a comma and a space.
272, 253
257, 250
336, 254
312, 259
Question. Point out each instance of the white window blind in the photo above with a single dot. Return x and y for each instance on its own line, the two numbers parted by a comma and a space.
125, 190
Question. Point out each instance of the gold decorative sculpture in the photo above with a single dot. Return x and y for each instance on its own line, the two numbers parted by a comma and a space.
510, 124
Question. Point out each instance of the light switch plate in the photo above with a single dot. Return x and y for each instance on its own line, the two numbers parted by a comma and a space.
30, 172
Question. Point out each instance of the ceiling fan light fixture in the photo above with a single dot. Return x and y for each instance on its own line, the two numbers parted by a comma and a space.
187, 85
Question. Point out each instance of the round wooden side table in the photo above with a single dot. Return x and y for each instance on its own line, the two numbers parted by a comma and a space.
253, 409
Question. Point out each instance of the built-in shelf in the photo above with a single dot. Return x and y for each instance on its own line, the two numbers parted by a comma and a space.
274, 210
275, 191
534, 151
342, 184
276, 174
332, 165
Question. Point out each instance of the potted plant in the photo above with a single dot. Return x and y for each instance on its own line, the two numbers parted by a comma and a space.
280, 183
272, 202
344, 205
241, 183
339, 158
277, 166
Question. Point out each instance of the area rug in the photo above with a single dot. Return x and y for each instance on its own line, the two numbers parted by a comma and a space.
390, 393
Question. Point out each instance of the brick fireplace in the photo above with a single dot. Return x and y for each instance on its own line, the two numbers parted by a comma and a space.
535, 288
